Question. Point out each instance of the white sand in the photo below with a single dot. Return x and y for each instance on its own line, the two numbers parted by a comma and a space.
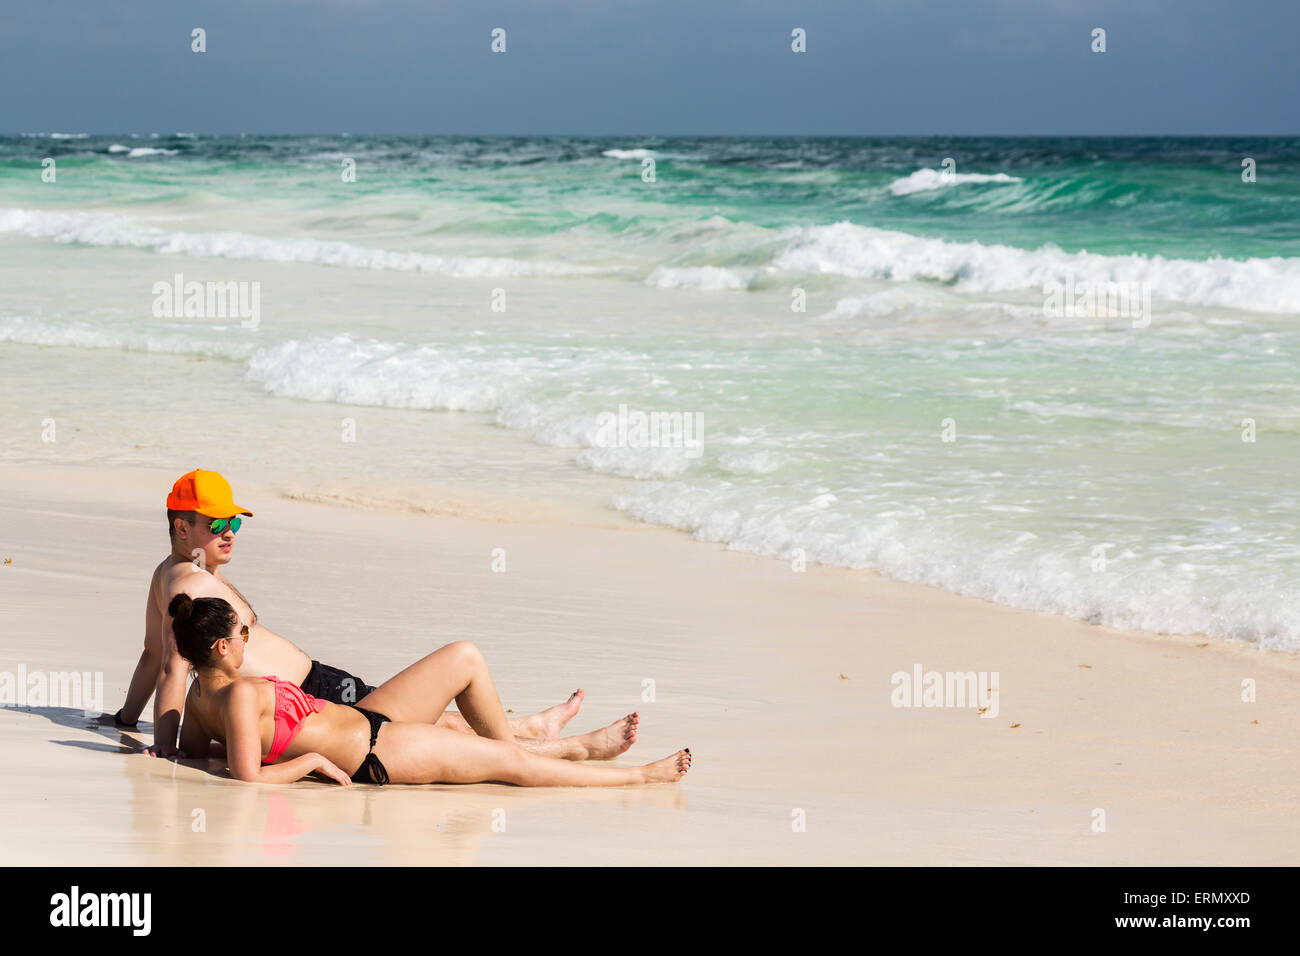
746, 656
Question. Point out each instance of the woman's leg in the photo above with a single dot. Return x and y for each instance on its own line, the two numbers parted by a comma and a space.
421, 753
604, 744
422, 691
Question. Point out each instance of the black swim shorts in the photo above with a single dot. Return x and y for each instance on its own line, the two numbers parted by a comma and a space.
336, 686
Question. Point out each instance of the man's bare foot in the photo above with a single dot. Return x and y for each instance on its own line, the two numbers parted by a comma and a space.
670, 769
608, 742
548, 724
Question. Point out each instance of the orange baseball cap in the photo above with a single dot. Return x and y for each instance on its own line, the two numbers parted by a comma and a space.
205, 492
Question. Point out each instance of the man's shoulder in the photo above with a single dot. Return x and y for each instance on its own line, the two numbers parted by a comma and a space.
185, 577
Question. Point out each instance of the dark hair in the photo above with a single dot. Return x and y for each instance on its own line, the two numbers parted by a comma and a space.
189, 516
198, 623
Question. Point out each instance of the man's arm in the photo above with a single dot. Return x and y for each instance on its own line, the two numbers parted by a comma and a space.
169, 690
145, 678
169, 697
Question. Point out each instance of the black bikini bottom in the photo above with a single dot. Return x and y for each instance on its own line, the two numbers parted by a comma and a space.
371, 769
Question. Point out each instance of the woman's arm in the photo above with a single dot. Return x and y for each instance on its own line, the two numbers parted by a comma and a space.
296, 769
244, 745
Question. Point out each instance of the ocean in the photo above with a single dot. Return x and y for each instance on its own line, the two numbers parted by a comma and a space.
1057, 373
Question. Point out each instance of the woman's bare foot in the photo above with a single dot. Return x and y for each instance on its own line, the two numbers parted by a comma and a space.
548, 724
608, 742
670, 769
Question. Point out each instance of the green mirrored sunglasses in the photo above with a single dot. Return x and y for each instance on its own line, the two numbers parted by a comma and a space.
219, 526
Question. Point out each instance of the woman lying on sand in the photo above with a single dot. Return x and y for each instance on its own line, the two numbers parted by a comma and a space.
273, 732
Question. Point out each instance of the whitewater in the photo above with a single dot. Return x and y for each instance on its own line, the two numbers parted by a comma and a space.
865, 339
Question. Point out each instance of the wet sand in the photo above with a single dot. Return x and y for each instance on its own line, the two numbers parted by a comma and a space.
779, 682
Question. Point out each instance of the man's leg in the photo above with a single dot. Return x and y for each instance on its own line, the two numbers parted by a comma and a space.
462, 674
412, 686
545, 725
415, 696
421, 692
339, 687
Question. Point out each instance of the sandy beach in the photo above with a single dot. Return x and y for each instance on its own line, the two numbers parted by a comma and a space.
778, 681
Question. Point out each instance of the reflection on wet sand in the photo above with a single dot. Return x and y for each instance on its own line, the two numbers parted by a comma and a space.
319, 823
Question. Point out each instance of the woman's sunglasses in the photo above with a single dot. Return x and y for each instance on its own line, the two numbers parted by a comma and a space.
219, 526
243, 632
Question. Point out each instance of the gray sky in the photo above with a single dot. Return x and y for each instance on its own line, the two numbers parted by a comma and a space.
664, 67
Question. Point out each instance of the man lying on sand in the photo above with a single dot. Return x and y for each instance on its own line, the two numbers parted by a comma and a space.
202, 520
269, 731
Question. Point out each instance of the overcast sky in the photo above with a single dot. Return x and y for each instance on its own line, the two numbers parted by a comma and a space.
628, 67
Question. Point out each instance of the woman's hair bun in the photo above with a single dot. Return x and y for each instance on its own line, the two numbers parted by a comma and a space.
198, 623
180, 607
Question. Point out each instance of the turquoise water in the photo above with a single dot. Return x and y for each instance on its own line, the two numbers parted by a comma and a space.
1172, 197
926, 413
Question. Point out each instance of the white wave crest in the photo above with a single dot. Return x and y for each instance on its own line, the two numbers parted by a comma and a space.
381, 374
1262, 285
705, 278
27, 331
1146, 597
105, 230
763, 462
924, 180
